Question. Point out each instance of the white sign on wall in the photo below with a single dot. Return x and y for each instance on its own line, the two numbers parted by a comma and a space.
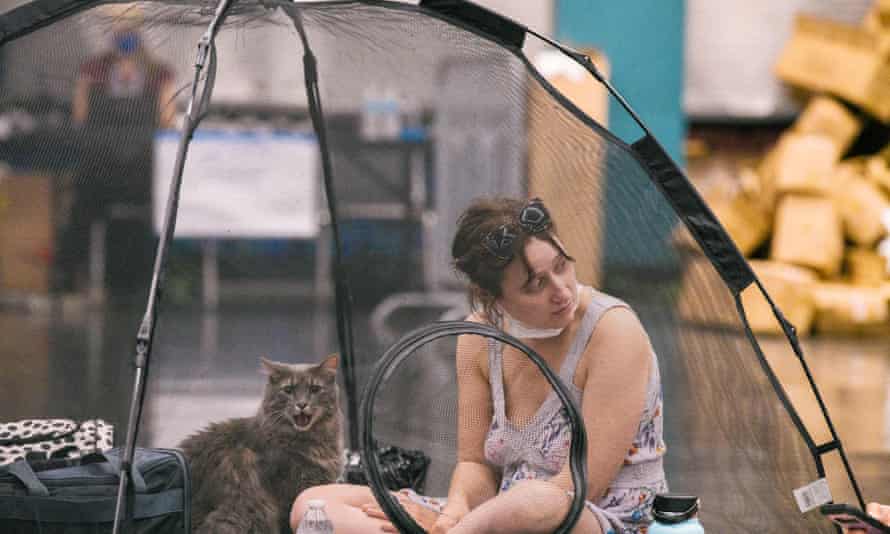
240, 184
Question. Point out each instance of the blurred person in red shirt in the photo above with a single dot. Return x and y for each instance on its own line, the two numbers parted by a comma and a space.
130, 84
121, 97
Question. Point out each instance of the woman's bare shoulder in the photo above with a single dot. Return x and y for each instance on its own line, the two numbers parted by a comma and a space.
473, 349
620, 331
620, 322
476, 317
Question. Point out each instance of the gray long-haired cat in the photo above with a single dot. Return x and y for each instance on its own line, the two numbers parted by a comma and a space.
246, 472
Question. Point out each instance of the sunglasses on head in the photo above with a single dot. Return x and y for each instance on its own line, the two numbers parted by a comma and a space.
533, 219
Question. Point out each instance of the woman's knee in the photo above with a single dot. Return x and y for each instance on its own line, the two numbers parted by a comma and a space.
549, 503
542, 501
326, 492
332, 494
543, 489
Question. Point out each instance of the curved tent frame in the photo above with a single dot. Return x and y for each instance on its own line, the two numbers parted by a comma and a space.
665, 174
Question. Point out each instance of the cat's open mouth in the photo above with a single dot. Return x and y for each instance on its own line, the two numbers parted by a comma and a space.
302, 421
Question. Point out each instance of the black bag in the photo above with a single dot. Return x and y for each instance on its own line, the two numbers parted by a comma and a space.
400, 468
78, 496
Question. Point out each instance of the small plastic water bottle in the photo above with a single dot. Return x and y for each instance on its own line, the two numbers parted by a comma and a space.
390, 116
370, 117
315, 521
675, 514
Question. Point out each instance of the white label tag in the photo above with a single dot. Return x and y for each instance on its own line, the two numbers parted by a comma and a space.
812, 495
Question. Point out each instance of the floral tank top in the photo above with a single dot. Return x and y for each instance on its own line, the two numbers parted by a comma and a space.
541, 448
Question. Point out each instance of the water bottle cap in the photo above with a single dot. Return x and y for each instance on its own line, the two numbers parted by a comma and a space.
672, 508
316, 503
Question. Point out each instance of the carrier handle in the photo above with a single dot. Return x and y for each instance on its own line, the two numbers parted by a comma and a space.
115, 462
22, 470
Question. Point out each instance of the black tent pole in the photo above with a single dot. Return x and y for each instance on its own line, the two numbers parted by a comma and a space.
145, 334
657, 153
342, 294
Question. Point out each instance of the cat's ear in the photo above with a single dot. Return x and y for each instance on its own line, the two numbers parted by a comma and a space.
331, 362
270, 368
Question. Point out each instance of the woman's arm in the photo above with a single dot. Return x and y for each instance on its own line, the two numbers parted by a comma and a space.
167, 104
881, 512
472, 484
619, 361
473, 481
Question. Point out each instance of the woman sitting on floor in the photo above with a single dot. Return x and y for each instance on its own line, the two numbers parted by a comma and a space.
512, 473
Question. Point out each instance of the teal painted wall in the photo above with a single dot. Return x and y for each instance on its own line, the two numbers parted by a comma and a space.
644, 42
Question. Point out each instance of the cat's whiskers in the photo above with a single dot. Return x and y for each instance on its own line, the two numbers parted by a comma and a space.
274, 419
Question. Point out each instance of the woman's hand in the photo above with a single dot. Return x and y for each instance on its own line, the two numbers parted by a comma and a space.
878, 511
443, 524
426, 518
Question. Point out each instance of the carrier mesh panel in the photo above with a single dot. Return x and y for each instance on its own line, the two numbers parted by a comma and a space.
477, 121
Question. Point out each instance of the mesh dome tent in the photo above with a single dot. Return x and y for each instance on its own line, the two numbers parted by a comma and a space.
483, 121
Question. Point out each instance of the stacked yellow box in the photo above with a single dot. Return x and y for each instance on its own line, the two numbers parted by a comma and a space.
815, 224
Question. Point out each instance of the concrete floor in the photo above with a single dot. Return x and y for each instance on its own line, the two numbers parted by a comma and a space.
76, 362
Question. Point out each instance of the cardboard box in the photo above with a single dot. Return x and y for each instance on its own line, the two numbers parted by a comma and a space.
26, 233
876, 171
841, 59
747, 224
566, 177
865, 267
826, 116
877, 19
808, 233
805, 164
742, 215
29, 367
847, 309
863, 209
789, 287
765, 174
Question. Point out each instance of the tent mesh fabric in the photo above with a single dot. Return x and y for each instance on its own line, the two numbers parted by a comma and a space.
477, 120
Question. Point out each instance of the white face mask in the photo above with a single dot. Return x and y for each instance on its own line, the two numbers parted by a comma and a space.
518, 329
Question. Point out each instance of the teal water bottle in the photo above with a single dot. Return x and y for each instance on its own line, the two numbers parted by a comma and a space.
675, 514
